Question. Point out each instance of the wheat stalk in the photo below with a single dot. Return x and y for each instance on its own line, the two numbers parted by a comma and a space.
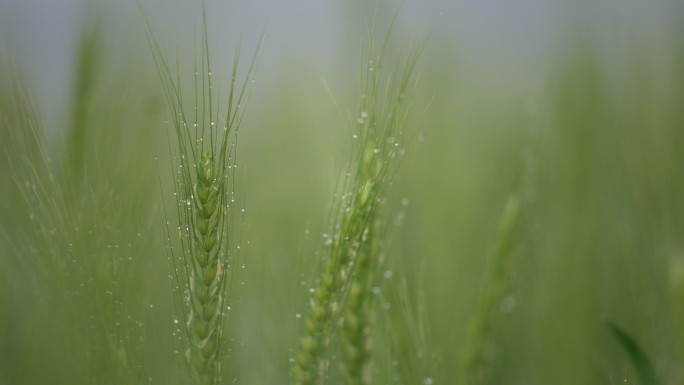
347, 276
476, 357
204, 205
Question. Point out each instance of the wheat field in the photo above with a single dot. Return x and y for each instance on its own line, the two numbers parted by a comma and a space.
366, 193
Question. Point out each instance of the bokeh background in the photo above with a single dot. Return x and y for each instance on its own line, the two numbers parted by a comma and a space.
572, 109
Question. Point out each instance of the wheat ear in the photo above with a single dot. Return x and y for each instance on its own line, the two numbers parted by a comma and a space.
475, 358
207, 278
203, 188
348, 272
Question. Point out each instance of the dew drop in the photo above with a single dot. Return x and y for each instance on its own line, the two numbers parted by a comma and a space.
508, 304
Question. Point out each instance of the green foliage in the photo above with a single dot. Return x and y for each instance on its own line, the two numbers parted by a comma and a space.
78, 250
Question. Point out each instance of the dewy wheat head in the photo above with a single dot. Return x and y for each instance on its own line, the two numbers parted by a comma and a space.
203, 190
348, 275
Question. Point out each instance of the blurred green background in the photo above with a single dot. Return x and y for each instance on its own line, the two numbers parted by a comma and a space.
574, 110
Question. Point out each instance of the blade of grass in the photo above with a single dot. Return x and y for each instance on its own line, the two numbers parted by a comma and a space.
642, 364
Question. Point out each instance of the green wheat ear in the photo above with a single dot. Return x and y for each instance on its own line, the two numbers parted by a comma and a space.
475, 358
206, 275
206, 159
379, 133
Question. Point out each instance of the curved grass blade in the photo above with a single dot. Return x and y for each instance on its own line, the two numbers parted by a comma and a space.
642, 365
